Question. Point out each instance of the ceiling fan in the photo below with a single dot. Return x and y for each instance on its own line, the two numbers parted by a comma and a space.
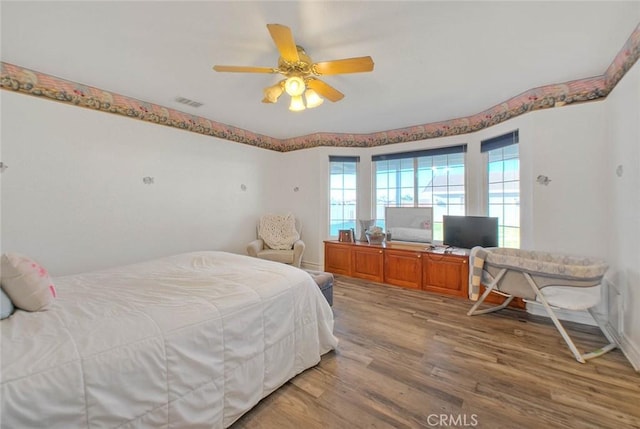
301, 72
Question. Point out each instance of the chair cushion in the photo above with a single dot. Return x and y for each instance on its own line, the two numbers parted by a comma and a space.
284, 256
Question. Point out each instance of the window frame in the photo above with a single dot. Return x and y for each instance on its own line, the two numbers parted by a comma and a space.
414, 157
500, 143
355, 189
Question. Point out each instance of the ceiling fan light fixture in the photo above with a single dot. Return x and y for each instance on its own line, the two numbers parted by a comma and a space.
272, 93
299, 71
294, 85
297, 105
313, 99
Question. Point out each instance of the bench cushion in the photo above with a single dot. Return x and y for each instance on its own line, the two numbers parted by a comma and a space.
324, 281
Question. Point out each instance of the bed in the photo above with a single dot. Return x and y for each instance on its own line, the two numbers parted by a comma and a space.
549, 279
192, 340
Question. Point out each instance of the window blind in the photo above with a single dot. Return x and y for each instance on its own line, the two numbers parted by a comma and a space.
334, 158
499, 141
418, 153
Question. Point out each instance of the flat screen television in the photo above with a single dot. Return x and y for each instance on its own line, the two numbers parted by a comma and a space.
466, 232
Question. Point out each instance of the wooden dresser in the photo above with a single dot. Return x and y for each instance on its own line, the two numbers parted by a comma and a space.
406, 265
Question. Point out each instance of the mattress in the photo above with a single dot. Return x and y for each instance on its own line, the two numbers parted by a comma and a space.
192, 340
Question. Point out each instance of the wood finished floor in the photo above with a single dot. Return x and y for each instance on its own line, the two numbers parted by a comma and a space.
410, 359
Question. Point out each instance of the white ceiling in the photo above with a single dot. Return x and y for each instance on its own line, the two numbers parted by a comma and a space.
433, 60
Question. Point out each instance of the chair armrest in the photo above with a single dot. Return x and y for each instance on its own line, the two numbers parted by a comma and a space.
254, 247
298, 250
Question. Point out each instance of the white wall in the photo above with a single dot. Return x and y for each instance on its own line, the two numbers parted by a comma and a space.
89, 178
299, 185
585, 210
568, 215
73, 196
622, 140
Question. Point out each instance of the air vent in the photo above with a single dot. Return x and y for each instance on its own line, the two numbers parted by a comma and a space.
188, 102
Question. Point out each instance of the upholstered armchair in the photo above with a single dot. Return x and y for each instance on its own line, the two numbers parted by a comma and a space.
278, 240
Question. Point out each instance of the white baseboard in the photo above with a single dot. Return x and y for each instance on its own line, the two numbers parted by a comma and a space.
312, 266
631, 351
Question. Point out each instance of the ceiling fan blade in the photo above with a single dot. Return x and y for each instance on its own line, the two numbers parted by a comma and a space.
325, 90
348, 65
244, 69
283, 38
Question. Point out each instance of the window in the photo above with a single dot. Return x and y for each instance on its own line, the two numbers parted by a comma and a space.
426, 178
343, 175
503, 173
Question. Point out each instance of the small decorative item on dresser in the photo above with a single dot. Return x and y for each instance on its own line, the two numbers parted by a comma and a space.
365, 224
375, 235
346, 236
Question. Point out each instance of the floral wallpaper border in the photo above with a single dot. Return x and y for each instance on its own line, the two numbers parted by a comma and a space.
39, 84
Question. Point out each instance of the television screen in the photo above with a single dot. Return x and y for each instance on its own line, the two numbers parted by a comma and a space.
469, 231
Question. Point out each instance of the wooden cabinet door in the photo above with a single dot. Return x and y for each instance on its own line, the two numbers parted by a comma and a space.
367, 263
447, 274
337, 258
403, 268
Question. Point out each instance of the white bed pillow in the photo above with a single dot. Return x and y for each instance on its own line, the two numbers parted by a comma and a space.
6, 306
26, 282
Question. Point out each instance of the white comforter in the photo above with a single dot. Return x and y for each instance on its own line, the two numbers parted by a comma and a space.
192, 340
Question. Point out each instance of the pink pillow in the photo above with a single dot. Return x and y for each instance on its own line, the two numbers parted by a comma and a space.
26, 282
